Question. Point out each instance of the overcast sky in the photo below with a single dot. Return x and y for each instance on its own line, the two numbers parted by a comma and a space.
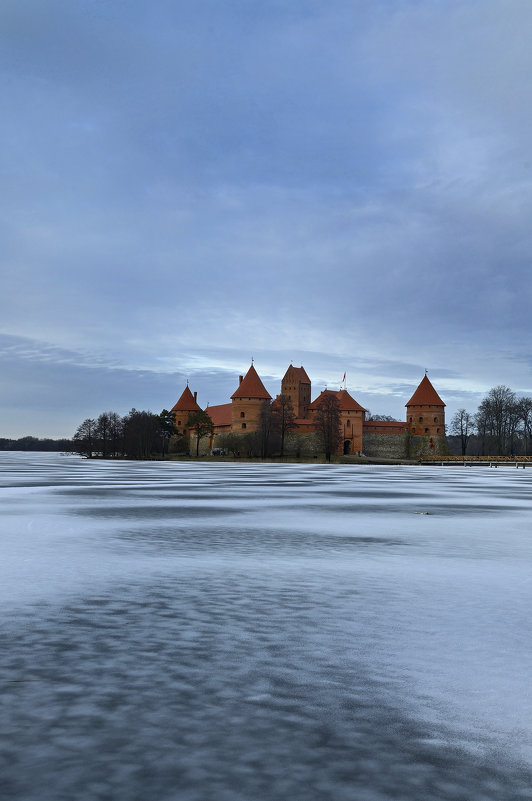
187, 184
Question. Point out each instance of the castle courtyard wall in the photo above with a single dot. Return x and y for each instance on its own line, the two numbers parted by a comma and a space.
386, 446
403, 446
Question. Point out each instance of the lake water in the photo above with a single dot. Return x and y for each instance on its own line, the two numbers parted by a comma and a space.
240, 632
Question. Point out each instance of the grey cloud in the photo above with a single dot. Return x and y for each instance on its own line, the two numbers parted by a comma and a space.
349, 180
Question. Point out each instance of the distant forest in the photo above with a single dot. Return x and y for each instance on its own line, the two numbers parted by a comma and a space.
36, 444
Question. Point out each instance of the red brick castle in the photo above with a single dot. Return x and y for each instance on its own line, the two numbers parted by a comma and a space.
422, 432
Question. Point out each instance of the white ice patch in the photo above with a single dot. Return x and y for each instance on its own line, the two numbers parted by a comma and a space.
420, 574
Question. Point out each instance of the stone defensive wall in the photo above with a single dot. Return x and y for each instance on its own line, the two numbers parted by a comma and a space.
386, 446
403, 446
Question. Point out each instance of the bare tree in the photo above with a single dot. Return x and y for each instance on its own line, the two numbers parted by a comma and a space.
116, 433
103, 433
283, 417
482, 425
496, 420
525, 414
264, 429
462, 425
514, 418
328, 422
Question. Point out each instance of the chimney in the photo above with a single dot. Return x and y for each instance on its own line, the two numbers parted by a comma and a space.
195, 396
240, 379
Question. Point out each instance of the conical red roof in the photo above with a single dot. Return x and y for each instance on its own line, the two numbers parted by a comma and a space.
251, 387
425, 395
186, 402
345, 401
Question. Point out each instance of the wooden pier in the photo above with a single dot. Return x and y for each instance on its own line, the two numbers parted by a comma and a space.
485, 461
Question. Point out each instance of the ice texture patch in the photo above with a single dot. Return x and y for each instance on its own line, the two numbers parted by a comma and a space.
202, 631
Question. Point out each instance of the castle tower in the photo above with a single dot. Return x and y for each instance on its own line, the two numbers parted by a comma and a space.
425, 411
247, 402
296, 385
185, 405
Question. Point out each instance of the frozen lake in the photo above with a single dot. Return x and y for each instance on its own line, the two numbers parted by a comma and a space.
247, 632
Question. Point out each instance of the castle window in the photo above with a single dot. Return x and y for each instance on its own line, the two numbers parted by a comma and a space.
420, 419
349, 422
435, 419
179, 422
184, 431
426, 431
242, 414
410, 419
243, 425
437, 431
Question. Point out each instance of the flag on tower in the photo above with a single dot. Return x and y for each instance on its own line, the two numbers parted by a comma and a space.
343, 379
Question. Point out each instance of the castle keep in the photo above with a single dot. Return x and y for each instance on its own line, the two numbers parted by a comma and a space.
423, 431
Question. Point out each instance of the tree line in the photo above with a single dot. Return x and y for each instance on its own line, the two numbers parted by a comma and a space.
137, 435
35, 444
501, 426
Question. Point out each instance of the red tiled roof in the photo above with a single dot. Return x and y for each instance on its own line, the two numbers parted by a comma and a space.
385, 423
186, 402
384, 426
251, 387
220, 415
425, 395
299, 373
348, 403
314, 404
345, 401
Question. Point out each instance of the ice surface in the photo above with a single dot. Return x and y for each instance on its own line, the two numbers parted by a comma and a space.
245, 631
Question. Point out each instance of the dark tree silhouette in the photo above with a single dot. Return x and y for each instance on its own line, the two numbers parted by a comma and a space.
496, 420
283, 417
85, 437
525, 414
141, 434
116, 433
328, 422
167, 428
462, 425
103, 433
264, 430
202, 426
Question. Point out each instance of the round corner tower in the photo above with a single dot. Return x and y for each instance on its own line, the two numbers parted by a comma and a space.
425, 412
247, 403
